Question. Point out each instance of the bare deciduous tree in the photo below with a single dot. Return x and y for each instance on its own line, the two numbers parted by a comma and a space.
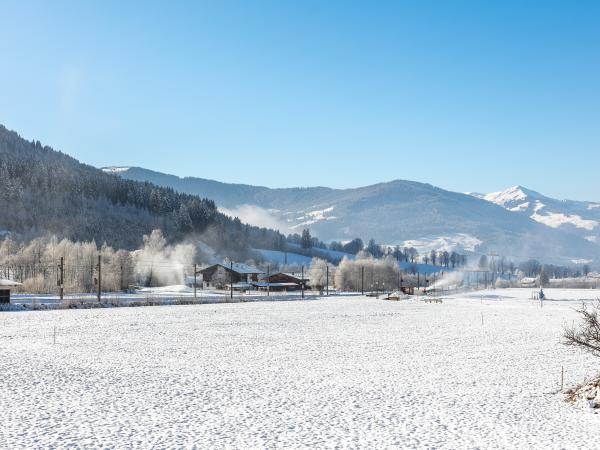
585, 335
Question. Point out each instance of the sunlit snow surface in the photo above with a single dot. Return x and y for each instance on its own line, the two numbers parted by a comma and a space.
338, 372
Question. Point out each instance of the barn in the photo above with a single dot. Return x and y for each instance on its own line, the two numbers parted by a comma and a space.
5, 287
221, 275
286, 281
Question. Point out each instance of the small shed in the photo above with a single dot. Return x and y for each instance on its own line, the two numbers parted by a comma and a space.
5, 287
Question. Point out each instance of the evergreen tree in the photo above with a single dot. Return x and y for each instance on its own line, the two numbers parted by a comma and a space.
544, 279
306, 240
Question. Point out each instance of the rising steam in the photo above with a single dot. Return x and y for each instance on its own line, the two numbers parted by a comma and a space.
159, 264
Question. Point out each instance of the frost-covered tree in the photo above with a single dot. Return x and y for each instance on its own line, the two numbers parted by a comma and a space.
37, 265
379, 273
317, 273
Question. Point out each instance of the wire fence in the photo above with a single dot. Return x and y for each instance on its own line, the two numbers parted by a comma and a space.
96, 282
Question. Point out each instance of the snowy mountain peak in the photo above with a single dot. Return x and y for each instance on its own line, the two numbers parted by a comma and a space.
506, 197
548, 211
512, 197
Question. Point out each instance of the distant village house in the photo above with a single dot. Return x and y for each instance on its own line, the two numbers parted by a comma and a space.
5, 288
222, 275
282, 281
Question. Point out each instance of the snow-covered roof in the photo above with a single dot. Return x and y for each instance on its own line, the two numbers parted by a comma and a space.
240, 268
297, 275
9, 283
243, 268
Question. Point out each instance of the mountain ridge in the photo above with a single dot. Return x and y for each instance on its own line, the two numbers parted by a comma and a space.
393, 213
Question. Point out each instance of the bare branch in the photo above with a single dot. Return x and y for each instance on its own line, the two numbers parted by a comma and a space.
586, 335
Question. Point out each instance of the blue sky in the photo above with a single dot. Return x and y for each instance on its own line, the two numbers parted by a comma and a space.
464, 95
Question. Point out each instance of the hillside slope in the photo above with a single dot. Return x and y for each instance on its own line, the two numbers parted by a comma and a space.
45, 191
393, 213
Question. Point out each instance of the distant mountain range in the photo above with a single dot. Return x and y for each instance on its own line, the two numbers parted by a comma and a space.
517, 223
45, 191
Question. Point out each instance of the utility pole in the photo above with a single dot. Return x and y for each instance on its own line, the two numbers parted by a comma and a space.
302, 281
195, 273
99, 278
231, 280
62, 278
121, 282
268, 280
327, 278
494, 270
362, 280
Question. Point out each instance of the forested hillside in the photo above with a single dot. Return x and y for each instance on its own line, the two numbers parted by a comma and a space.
43, 191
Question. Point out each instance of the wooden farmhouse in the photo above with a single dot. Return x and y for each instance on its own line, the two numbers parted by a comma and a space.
282, 281
221, 275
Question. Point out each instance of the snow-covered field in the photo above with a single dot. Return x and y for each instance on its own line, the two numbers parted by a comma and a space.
477, 371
